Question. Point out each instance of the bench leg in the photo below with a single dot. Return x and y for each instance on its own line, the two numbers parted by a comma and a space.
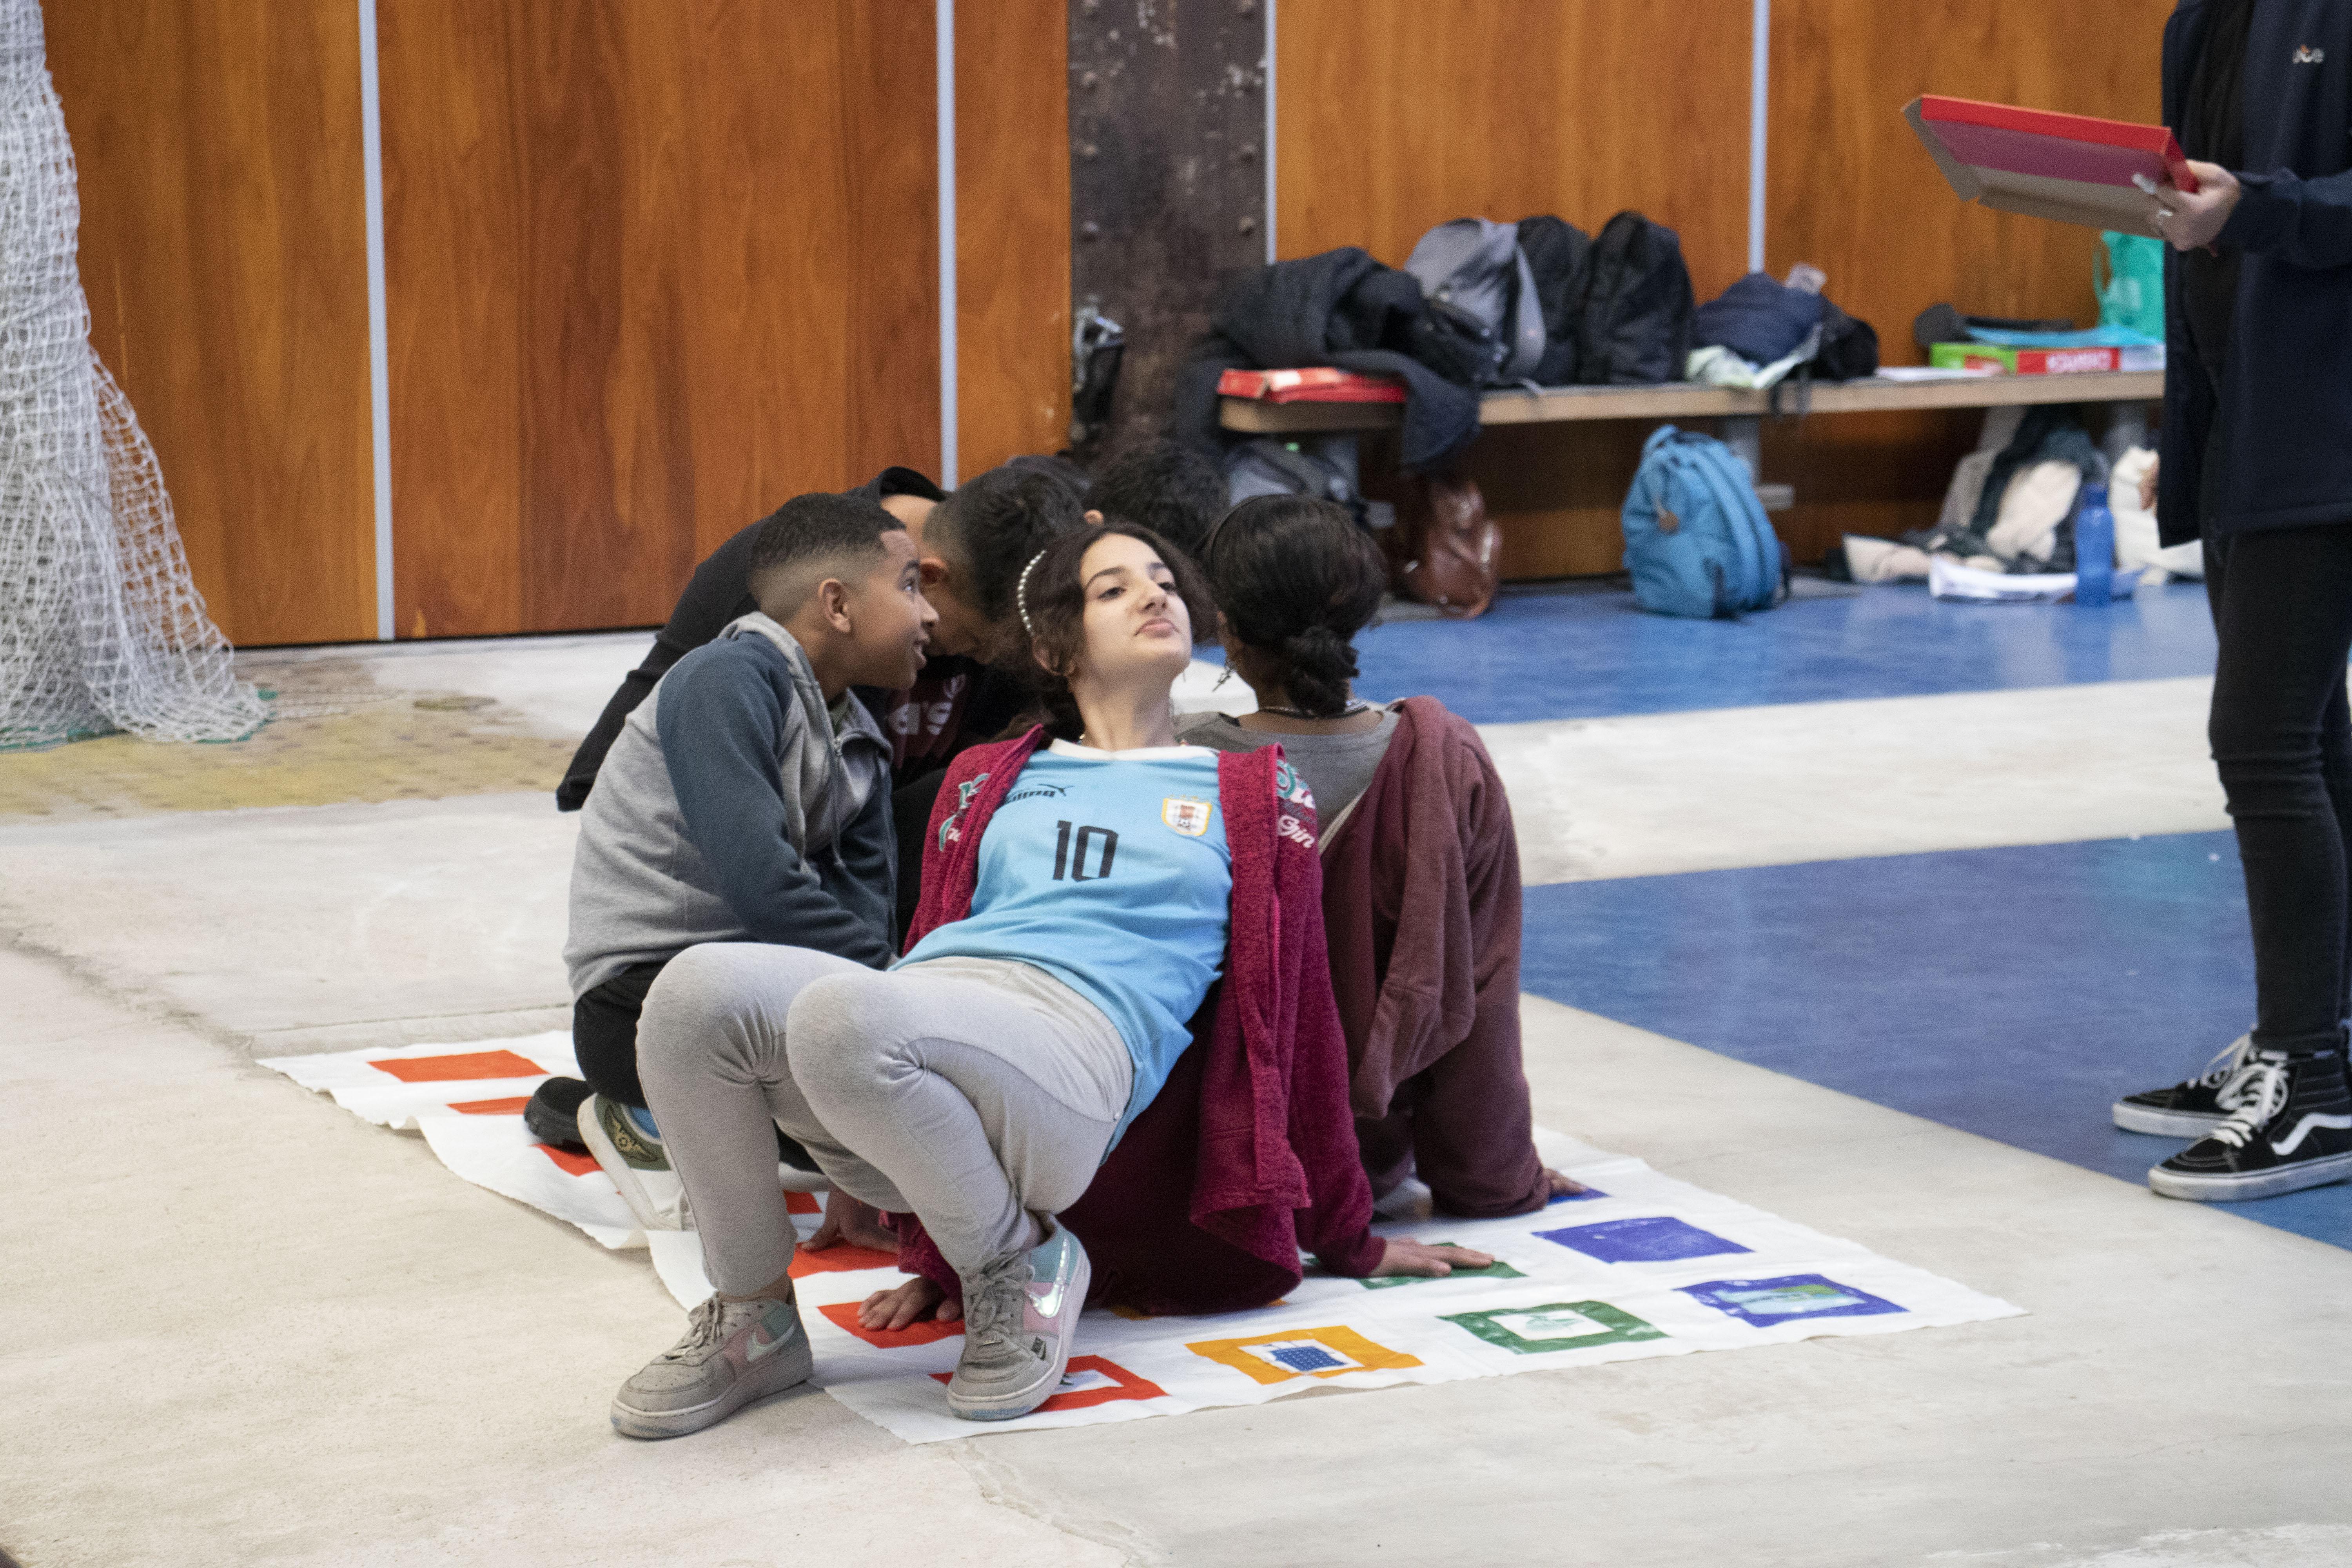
1744, 434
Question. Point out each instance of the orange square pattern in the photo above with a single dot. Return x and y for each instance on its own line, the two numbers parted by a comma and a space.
1129, 1386
839, 1258
803, 1202
930, 1330
510, 1106
1346, 1341
570, 1164
463, 1064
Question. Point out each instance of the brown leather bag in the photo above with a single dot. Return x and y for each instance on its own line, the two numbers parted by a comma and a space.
1444, 549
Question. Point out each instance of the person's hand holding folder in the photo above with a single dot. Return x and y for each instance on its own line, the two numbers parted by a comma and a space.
2191, 219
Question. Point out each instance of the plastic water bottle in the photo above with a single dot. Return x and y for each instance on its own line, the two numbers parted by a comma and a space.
2095, 548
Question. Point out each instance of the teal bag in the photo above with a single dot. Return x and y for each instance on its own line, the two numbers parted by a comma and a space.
2132, 295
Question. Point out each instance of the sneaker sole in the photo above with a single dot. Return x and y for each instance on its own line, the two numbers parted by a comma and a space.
788, 1369
632, 1192
2166, 1123
1012, 1406
2256, 1185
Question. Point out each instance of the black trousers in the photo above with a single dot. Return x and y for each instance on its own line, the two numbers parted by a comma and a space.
605, 1033
2282, 738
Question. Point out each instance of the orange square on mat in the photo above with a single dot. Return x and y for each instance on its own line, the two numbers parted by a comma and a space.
801, 1202
1302, 1352
839, 1258
463, 1064
930, 1330
510, 1106
570, 1164
1100, 1382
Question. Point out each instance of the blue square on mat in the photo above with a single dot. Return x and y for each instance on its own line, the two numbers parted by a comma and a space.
1306, 1358
1586, 1196
1656, 1239
1789, 1299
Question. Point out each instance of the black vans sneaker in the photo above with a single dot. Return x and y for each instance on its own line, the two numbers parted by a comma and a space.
2190, 1109
2292, 1130
552, 1116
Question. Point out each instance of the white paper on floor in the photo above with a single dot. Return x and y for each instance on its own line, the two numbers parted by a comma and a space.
1639, 1264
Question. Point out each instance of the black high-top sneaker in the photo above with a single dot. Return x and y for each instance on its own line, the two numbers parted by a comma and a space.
2194, 1107
2291, 1129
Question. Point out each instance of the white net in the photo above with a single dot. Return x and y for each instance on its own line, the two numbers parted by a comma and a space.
101, 628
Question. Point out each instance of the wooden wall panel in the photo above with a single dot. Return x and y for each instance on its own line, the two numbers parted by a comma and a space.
224, 252
1013, 229
653, 270
1391, 119
1853, 192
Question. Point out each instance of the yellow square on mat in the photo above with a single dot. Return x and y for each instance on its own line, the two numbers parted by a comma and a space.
1302, 1352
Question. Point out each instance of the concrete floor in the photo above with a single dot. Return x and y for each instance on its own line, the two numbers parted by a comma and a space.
243, 1327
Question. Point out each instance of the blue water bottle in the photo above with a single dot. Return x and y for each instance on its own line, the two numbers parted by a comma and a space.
2095, 548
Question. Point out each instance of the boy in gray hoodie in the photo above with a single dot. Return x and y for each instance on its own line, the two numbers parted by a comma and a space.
746, 799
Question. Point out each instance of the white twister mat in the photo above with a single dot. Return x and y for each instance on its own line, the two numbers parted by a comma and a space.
1642, 1264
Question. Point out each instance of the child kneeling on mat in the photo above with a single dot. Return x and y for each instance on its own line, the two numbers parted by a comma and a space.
978, 1085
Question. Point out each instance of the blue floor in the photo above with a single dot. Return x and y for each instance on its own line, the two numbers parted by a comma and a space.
2013, 992
1583, 654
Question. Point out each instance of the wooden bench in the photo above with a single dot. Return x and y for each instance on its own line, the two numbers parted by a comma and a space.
1739, 416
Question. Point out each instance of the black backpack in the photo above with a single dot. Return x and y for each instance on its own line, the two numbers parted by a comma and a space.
1848, 346
1560, 256
1636, 326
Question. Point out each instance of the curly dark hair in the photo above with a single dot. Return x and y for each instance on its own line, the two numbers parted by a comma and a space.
1053, 603
1297, 580
992, 525
1165, 486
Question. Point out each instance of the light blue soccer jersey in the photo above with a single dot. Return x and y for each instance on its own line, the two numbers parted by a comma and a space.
1109, 871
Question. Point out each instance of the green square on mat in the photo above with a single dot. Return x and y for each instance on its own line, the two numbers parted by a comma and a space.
1498, 1269
1562, 1326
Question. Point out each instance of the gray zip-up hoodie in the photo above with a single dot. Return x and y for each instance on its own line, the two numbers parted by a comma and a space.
734, 807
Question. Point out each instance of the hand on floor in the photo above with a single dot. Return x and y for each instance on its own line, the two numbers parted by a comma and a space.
908, 1303
1428, 1262
1562, 1186
846, 1220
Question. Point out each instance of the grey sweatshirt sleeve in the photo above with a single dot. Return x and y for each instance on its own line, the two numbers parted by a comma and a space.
720, 722
869, 852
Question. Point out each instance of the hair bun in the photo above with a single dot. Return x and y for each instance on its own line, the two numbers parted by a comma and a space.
1320, 663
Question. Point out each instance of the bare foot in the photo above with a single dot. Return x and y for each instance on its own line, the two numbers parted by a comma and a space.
1563, 1186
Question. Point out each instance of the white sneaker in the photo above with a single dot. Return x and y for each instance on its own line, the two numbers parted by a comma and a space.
733, 1353
637, 1164
1019, 1320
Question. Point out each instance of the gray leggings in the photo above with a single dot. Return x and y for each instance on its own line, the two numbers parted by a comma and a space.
971, 1092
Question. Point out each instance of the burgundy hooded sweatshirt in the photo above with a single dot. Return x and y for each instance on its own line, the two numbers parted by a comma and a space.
1249, 1151
1421, 907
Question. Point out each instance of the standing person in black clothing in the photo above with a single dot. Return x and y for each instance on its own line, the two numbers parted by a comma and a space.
2256, 459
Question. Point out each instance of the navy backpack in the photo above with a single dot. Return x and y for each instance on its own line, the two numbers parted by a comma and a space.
1697, 540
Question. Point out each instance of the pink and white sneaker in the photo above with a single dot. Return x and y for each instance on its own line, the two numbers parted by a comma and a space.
1020, 1317
733, 1353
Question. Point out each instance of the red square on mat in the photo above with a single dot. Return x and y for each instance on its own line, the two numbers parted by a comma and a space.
510, 1106
803, 1202
463, 1064
1124, 1385
570, 1164
839, 1258
930, 1330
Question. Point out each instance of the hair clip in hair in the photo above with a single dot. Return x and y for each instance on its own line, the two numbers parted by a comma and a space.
1021, 594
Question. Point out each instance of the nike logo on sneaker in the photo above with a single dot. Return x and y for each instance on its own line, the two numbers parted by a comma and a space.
2303, 1128
1048, 1301
755, 1353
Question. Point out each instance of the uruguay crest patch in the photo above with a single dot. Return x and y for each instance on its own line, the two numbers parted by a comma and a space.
1187, 815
